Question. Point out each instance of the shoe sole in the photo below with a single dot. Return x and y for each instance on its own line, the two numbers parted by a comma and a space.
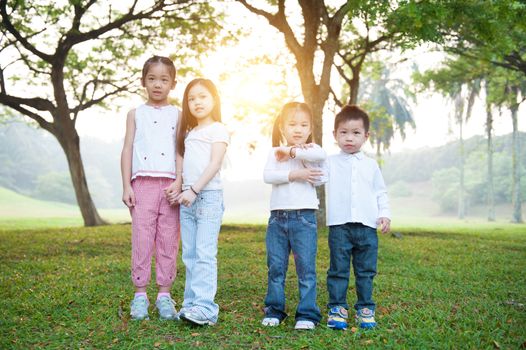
175, 318
147, 318
338, 328
197, 322
367, 326
304, 328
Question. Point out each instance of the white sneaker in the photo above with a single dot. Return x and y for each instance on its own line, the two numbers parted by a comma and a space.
304, 325
270, 322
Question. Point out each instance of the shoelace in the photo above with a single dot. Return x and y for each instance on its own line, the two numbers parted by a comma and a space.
166, 303
138, 303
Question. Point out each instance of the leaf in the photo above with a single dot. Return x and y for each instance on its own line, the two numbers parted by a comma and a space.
354, 329
157, 344
496, 345
195, 334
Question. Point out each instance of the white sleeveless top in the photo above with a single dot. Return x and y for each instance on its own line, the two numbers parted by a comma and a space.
154, 141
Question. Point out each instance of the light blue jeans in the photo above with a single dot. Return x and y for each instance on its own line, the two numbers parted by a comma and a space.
200, 225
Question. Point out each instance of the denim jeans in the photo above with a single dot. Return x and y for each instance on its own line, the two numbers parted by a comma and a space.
359, 242
292, 230
200, 225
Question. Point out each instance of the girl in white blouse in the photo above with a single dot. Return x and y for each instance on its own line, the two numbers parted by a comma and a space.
294, 168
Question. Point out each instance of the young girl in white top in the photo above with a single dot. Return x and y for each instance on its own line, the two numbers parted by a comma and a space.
293, 168
202, 141
148, 170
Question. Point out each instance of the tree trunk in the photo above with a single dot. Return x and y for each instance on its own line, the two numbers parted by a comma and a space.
69, 140
461, 201
515, 156
354, 85
379, 153
317, 104
491, 189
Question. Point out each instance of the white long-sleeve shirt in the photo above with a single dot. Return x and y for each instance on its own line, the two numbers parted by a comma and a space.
288, 194
356, 190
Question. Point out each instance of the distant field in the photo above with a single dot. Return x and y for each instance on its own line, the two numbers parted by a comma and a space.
246, 203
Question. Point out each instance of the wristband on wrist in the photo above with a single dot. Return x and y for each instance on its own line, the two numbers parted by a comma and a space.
290, 152
196, 193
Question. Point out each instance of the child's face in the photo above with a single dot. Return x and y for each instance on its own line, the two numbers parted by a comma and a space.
200, 102
351, 135
158, 83
296, 128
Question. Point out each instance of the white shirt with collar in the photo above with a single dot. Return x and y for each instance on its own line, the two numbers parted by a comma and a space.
356, 190
286, 194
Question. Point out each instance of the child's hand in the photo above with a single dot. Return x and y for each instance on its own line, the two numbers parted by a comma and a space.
282, 153
285, 153
385, 224
172, 191
128, 197
186, 198
310, 175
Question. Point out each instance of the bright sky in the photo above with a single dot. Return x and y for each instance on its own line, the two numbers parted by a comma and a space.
247, 88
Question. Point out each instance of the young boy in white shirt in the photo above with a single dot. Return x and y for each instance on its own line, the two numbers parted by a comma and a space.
357, 205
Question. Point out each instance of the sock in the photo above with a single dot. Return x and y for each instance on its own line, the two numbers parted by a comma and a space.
163, 294
139, 294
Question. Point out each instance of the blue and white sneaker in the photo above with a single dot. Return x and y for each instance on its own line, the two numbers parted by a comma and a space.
195, 316
139, 308
166, 308
270, 322
365, 318
337, 318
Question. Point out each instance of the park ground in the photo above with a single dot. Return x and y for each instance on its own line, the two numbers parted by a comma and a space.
440, 285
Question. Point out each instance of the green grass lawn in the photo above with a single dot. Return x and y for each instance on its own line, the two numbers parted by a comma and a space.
444, 287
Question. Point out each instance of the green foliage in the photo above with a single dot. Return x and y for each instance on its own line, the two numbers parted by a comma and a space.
103, 63
446, 181
33, 164
56, 187
488, 31
419, 165
385, 100
70, 288
400, 189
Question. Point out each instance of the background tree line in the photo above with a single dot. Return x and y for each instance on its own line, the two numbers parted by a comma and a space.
84, 53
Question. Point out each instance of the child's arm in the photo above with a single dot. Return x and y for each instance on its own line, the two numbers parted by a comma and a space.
174, 189
308, 153
128, 197
384, 214
274, 176
216, 159
324, 177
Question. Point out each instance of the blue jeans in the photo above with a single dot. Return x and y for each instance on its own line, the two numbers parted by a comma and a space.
200, 225
359, 242
294, 230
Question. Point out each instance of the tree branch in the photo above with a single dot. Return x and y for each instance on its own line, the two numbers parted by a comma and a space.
16, 104
279, 21
6, 22
92, 102
338, 102
73, 37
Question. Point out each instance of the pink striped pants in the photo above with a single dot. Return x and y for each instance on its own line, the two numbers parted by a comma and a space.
155, 225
